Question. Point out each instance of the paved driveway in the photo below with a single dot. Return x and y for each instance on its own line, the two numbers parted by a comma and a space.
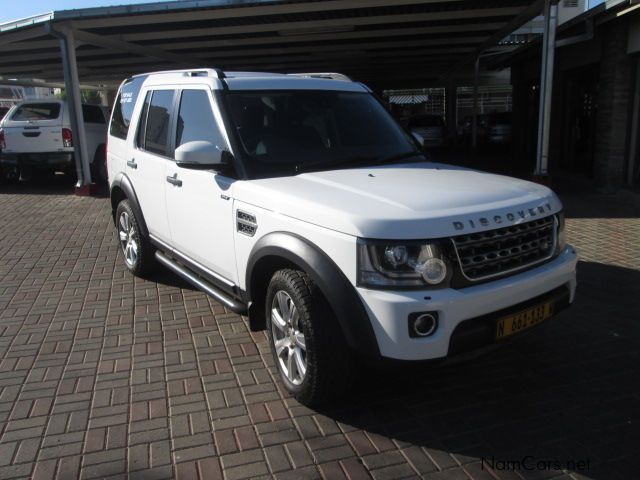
103, 375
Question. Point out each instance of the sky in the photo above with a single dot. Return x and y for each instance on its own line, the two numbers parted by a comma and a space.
13, 10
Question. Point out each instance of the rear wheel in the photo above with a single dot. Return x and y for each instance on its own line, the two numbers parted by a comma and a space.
136, 250
309, 350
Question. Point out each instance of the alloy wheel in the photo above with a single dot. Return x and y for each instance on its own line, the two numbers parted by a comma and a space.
128, 239
288, 338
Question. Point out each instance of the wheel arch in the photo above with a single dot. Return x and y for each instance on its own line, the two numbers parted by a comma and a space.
122, 189
279, 250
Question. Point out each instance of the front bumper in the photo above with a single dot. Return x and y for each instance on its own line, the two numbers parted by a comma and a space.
389, 310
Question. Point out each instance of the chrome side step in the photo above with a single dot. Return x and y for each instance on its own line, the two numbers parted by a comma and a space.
202, 284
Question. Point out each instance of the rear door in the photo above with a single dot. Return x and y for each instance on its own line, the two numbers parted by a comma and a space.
35, 127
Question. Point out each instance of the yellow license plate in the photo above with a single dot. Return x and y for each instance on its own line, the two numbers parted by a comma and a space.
522, 320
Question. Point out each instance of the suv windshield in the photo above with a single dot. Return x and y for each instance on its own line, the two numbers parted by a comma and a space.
284, 132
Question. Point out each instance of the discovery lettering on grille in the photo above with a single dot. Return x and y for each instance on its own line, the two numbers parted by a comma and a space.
505, 250
498, 219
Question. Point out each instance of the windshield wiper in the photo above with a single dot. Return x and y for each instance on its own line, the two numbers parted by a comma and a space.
353, 161
401, 156
341, 163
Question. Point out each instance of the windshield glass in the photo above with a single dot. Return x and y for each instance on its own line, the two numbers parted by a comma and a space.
284, 132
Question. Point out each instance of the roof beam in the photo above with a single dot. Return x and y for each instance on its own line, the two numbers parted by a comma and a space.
144, 51
352, 21
287, 39
10, 37
239, 12
526, 15
197, 60
117, 45
476, 13
335, 56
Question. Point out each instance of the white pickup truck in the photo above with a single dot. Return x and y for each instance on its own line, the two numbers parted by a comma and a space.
36, 136
298, 200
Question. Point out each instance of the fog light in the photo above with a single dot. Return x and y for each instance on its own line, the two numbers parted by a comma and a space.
422, 324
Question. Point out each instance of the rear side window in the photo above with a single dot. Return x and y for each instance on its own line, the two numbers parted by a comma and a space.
123, 107
196, 120
156, 130
92, 114
37, 111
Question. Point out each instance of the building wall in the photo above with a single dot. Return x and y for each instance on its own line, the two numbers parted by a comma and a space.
614, 100
602, 66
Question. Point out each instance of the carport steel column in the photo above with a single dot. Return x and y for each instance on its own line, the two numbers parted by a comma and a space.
546, 86
474, 117
74, 100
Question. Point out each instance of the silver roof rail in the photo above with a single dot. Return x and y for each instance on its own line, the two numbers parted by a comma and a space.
191, 72
327, 75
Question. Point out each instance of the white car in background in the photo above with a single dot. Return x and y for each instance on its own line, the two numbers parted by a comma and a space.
36, 137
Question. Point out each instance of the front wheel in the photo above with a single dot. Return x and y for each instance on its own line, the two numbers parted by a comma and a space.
137, 251
309, 350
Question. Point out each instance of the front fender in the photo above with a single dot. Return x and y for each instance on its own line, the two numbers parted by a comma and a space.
339, 292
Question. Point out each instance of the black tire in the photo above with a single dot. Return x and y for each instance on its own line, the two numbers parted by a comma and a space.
329, 364
143, 261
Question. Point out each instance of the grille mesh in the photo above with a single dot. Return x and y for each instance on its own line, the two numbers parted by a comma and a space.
497, 252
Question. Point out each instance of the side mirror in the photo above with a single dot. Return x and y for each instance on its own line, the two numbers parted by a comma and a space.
199, 155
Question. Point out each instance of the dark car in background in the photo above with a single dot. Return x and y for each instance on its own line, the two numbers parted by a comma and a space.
499, 128
466, 127
429, 130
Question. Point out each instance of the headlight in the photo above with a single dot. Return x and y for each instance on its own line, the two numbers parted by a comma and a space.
402, 264
562, 236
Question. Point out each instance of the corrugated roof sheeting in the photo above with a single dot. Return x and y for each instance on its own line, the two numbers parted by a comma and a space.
366, 39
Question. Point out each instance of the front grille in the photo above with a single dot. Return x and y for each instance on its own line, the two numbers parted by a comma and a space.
505, 250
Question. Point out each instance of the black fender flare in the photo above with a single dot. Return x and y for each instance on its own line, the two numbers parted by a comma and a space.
339, 292
124, 183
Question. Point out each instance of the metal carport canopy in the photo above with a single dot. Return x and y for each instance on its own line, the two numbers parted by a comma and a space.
376, 41
380, 42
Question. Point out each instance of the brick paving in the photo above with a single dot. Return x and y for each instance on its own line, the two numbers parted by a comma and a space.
103, 375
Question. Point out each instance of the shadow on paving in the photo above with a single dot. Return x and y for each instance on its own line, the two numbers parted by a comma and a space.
47, 185
566, 392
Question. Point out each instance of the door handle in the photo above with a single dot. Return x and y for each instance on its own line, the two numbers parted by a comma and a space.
132, 163
173, 180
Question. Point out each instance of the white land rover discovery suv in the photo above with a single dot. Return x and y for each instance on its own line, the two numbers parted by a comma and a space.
298, 200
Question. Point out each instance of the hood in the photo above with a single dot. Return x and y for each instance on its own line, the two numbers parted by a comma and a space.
411, 201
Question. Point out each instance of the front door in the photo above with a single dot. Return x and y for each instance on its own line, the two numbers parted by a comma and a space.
149, 160
200, 202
